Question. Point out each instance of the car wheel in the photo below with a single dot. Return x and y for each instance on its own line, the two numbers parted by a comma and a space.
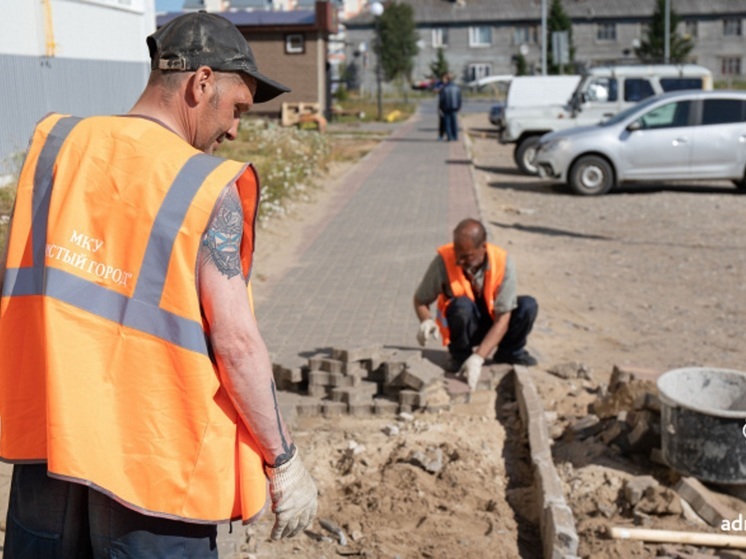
591, 176
524, 155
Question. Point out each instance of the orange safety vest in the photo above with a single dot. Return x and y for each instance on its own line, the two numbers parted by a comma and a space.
105, 366
460, 285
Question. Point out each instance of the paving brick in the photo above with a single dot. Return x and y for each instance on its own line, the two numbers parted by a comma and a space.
416, 375
362, 409
357, 354
354, 395
331, 365
319, 391
636, 487
621, 374
333, 409
319, 378
384, 406
311, 408
314, 362
340, 380
705, 503
457, 389
409, 399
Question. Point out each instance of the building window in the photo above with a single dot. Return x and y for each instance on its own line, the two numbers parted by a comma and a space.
525, 34
479, 70
295, 43
480, 36
732, 27
606, 32
440, 37
690, 28
731, 66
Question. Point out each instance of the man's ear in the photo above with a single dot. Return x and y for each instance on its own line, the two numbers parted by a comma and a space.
202, 84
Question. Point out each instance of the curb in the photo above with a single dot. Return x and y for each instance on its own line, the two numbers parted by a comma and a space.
556, 522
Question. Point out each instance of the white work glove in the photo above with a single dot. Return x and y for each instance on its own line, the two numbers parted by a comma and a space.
294, 497
428, 331
472, 368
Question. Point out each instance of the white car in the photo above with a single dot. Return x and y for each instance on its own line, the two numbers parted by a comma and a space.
682, 135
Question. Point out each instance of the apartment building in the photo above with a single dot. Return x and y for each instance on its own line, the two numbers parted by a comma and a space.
484, 37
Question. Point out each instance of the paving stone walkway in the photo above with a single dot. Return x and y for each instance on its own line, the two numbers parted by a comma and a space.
354, 282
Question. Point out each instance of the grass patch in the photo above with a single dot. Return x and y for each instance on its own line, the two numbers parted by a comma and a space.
288, 161
7, 196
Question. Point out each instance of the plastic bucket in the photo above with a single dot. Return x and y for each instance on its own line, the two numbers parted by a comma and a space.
703, 423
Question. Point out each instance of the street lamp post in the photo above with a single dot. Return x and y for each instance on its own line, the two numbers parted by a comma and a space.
376, 9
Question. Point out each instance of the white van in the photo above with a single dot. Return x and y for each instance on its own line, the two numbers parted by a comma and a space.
601, 92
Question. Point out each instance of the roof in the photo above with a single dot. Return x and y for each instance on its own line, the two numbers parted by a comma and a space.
255, 18
498, 11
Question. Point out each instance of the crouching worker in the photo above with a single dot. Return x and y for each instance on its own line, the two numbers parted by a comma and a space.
478, 311
136, 393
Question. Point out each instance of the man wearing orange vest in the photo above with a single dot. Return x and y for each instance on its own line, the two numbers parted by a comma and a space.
474, 284
137, 402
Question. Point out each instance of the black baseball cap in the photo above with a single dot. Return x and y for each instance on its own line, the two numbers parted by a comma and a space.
203, 39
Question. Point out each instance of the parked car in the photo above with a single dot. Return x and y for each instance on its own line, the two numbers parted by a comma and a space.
496, 113
601, 92
682, 135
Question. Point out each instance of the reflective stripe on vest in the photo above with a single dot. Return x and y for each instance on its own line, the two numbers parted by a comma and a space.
460, 286
140, 312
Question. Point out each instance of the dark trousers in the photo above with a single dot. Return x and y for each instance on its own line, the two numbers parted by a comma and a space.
54, 519
469, 322
450, 124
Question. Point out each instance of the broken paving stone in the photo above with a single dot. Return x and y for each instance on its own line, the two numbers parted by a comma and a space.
660, 501
706, 503
623, 398
571, 370
586, 427
636, 487
330, 526
431, 461
390, 430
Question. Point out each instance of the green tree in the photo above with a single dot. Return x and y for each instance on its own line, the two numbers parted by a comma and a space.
521, 65
558, 20
652, 48
396, 45
439, 66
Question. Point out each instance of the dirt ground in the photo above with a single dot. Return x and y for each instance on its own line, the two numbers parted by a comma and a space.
649, 276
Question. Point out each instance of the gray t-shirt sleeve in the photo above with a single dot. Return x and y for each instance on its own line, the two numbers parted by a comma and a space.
432, 282
507, 299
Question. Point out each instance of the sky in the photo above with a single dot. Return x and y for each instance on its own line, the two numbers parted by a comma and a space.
168, 5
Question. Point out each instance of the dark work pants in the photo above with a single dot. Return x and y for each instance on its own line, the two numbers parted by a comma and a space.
54, 519
469, 322
450, 123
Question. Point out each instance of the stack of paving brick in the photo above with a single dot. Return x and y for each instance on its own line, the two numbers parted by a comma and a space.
373, 380
626, 414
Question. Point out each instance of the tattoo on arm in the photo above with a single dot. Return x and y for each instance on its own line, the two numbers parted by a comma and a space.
289, 449
222, 240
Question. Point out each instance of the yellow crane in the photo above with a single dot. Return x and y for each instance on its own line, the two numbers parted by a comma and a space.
49, 28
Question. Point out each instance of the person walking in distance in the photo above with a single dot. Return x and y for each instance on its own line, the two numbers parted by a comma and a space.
473, 283
449, 104
136, 392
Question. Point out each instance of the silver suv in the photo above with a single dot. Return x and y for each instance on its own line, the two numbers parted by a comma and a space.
683, 135
601, 92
